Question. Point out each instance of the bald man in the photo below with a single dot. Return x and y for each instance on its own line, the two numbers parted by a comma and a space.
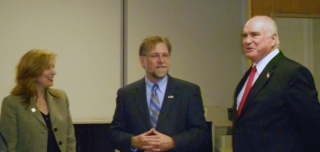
280, 110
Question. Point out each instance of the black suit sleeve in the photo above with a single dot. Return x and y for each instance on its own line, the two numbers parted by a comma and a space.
196, 133
302, 99
118, 137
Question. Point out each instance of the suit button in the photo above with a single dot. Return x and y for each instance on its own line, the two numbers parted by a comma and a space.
55, 129
60, 142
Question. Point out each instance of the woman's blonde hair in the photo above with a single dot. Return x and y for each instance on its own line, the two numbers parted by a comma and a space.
30, 67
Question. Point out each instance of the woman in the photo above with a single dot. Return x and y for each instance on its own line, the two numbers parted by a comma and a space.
35, 117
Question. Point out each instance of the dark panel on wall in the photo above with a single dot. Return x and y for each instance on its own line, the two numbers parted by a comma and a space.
92, 138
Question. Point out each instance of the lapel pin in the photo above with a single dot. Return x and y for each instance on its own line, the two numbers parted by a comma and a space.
33, 110
268, 75
170, 96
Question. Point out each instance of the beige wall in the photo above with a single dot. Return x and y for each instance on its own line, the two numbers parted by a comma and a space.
316, 42
87, 36
292, 38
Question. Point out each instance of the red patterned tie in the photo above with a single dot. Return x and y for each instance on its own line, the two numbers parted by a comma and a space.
248, 87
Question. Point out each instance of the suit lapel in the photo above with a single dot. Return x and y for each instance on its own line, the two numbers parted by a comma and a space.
32, 108
52, 107
242, 82
238, 89
168, 101
262, 80
141, 101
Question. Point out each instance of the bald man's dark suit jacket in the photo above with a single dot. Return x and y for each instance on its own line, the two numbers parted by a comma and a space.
181, 116
281, 112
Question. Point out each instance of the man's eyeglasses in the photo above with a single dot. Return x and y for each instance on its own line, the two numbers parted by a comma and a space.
157, 56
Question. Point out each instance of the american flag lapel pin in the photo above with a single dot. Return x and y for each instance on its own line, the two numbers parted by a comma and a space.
171, 96
268, 75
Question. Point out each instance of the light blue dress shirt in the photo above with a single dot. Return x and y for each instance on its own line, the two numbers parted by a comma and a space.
160, 92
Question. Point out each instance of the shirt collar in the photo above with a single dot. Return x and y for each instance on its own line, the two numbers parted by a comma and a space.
263, 63
162, 83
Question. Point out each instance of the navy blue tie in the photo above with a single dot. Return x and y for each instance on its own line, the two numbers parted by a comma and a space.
154, 106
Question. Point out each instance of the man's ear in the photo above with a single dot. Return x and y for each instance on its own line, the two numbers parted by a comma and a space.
274, 38
142, 61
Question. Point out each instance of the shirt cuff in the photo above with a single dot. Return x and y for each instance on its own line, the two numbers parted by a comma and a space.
134, 149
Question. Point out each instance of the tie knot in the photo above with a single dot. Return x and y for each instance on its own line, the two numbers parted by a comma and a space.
254, 69
155, 87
